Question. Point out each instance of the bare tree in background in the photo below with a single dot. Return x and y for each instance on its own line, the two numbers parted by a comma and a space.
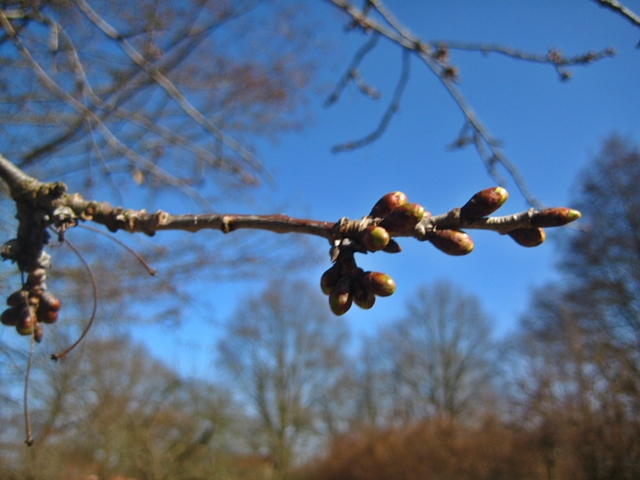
282, 352
440, 355
579, 383
114, 410
155, 92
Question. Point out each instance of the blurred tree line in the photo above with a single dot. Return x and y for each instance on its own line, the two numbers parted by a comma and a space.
433, 395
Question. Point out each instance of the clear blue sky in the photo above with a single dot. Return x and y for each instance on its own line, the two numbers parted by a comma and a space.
549, 129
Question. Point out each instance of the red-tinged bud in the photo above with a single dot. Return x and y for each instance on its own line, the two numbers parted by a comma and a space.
17, 298
484, 202
404, 218
26, 324
375, 238
451, 242
340, 298
38, 332
392, 247
47, 316
378, 283
554, 217
330, 278
528, 237
361, 296
386, 204
49, 301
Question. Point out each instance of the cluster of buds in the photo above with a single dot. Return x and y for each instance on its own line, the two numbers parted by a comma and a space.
393, 216
31, 306
346, 284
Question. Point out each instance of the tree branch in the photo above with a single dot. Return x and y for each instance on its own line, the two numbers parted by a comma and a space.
28, 189
437, 61
621, 9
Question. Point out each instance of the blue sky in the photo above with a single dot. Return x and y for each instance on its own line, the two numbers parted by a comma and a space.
548, 128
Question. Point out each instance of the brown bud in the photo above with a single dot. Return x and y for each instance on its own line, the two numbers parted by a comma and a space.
362, 297
528, 237
378, 283
35, 291
47, 316
26, 324
49, 301
451, 242
38, 332
392, 247
375, 238
387, 203
11, 316
330, 278
17, 298
340, 299
404, 218
554, 217
484, 202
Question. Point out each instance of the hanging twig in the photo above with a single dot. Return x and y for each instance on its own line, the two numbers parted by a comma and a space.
143, 262
94, 285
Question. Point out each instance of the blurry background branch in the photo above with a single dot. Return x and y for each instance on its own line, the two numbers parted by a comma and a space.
623, 10
375, 17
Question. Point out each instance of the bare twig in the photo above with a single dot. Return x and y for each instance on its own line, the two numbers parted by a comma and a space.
167, 85
27, 418
109, 137
94, 285
622, 10
143, 262
388, 115
626, 12
488, 149
353, 66
553, 57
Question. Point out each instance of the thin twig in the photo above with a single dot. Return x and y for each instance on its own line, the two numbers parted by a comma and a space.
395, 32
388, 115
552, 57
27, 418
58, 356
622, 10
109, 137
168, 85
143, 262
355, 62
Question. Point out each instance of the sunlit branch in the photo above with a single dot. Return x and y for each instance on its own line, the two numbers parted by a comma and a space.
140, 221
618, 7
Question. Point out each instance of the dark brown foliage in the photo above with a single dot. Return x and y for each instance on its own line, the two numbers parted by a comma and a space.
431, 450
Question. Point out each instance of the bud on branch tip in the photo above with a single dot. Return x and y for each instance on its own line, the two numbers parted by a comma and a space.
554, 217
